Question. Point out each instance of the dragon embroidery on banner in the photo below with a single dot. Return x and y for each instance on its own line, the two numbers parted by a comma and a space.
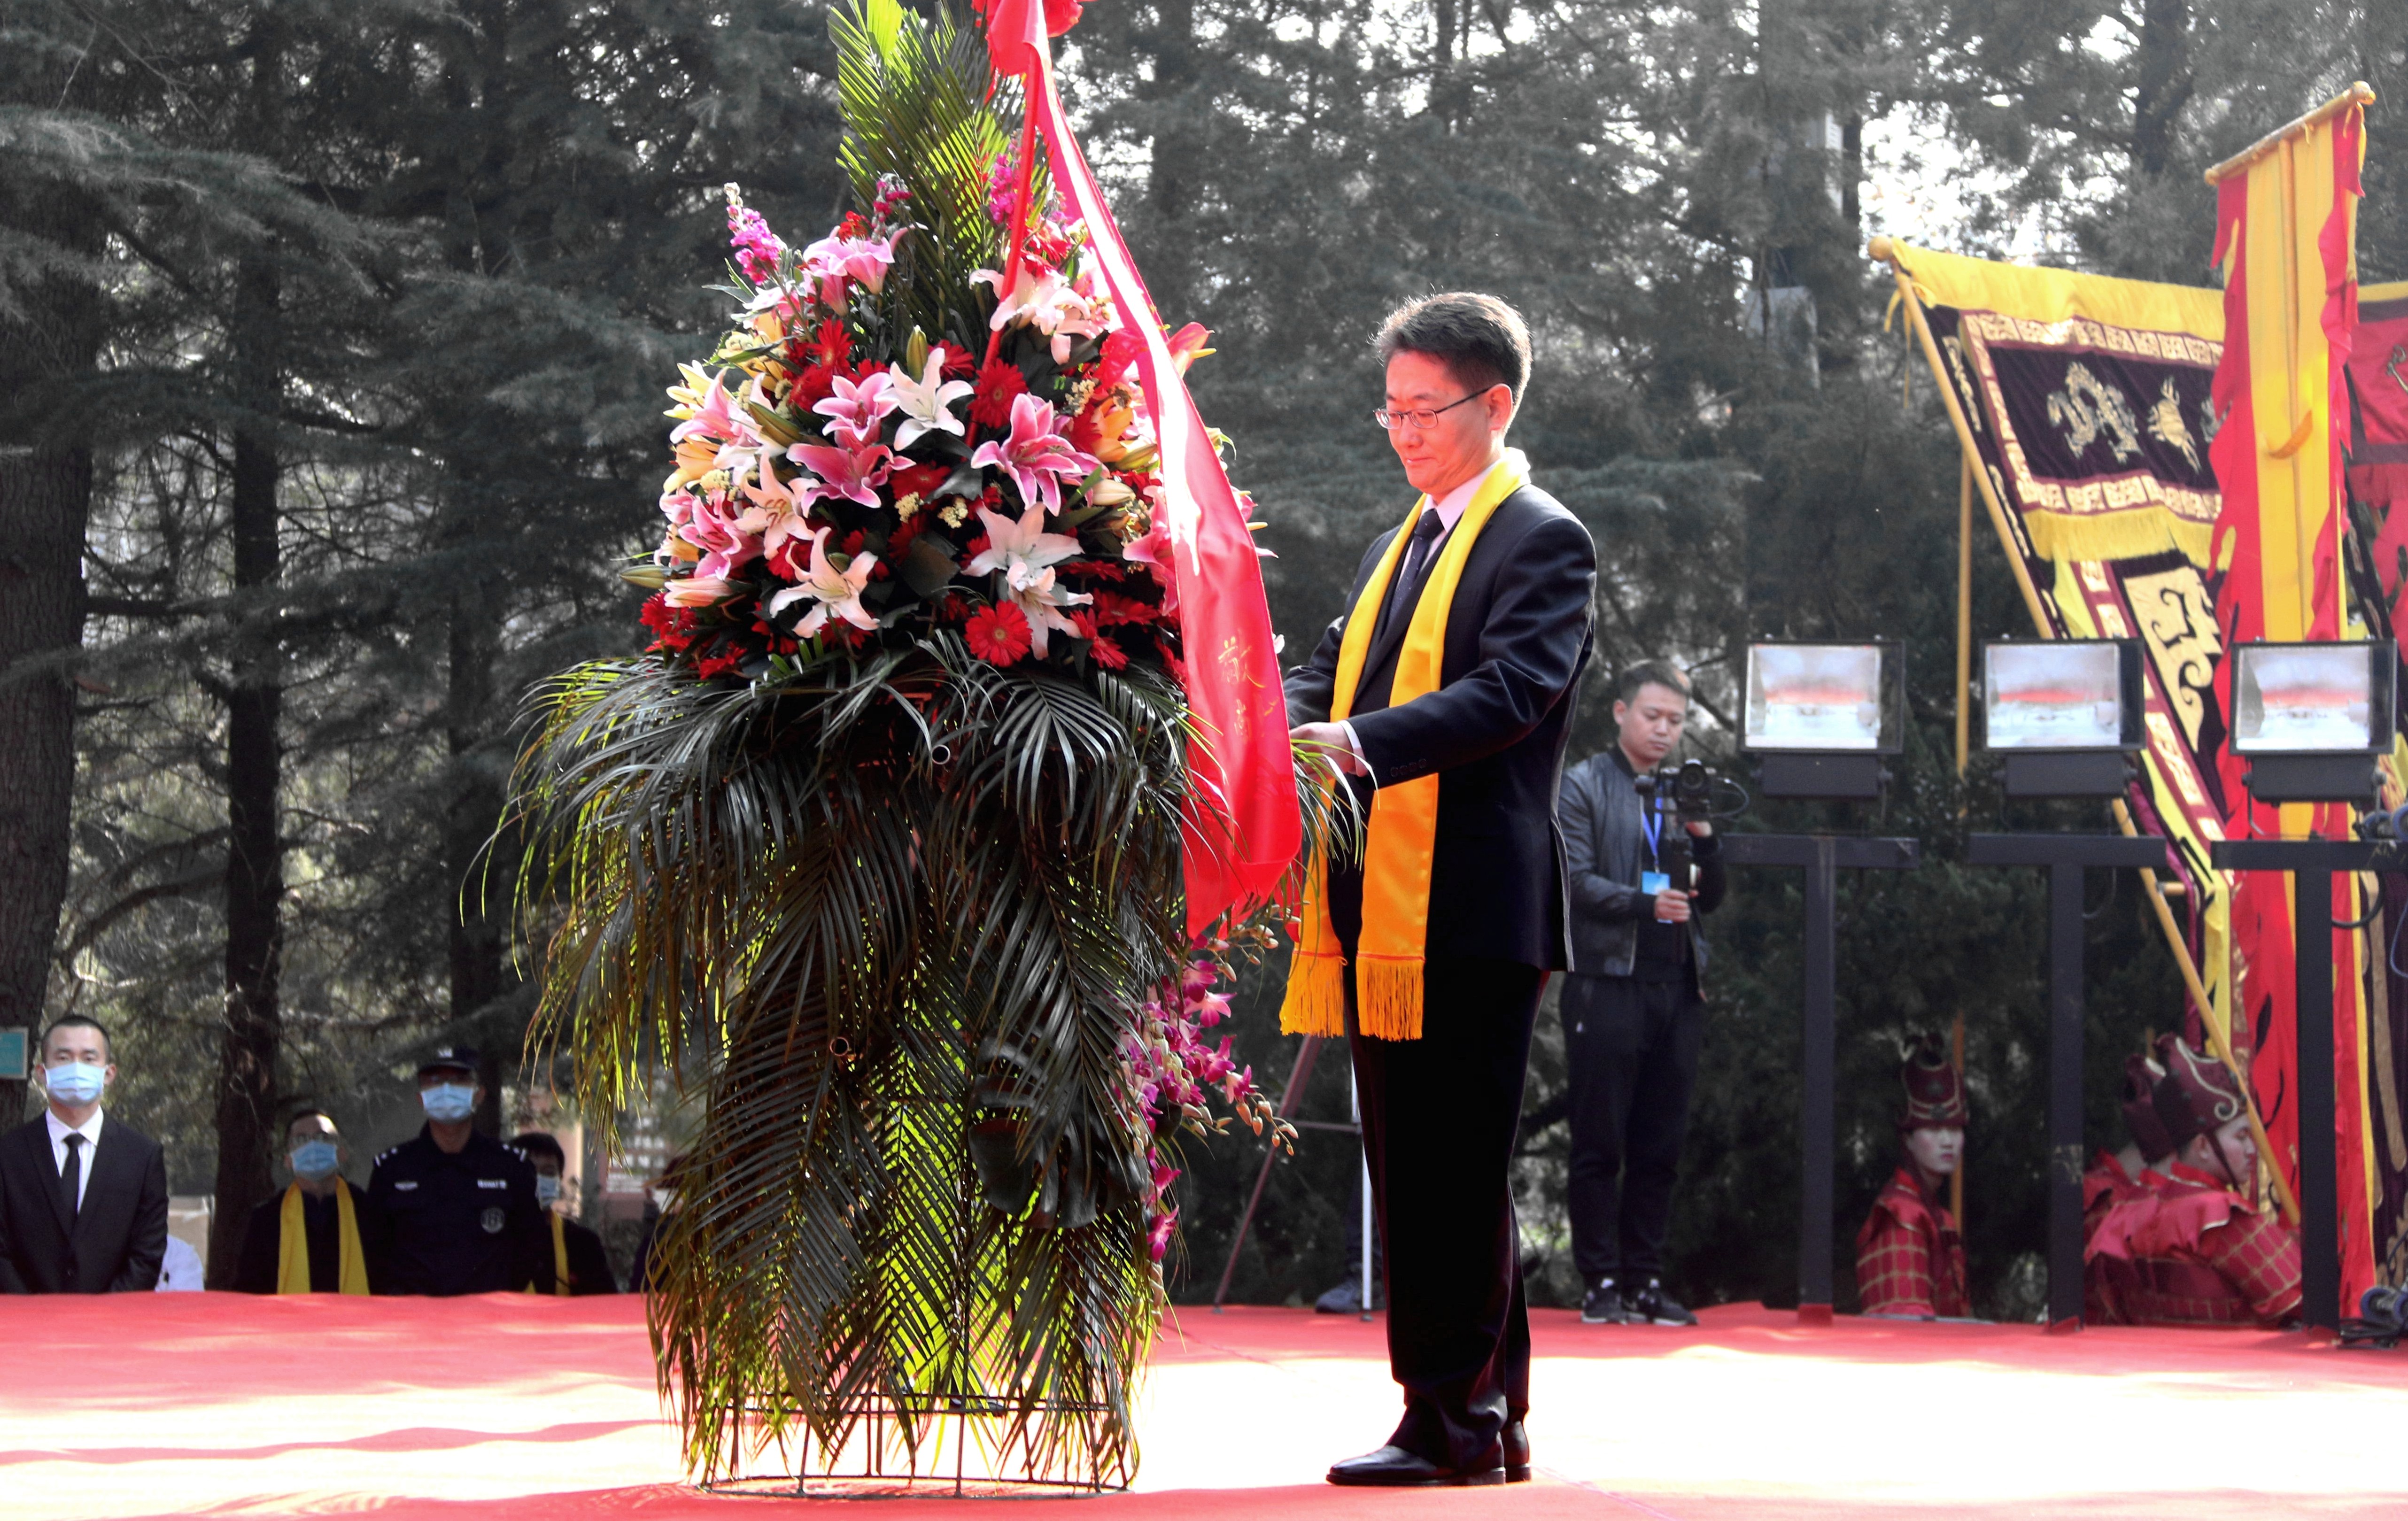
2089, 407
2167, 425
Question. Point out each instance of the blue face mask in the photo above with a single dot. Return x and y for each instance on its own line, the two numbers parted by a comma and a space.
76, 1082
449, 1103
315, 1160
547, 1190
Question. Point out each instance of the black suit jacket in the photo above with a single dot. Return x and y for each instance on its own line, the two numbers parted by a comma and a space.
114, 1244
1518, 636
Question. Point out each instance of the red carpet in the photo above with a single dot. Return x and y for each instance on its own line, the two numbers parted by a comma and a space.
544, 1411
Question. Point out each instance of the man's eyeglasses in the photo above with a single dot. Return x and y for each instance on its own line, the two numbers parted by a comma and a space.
1421, 419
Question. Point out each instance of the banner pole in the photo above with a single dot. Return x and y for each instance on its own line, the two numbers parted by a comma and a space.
2358, 94
1964, 614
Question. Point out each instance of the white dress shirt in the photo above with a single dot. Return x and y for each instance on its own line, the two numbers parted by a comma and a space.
90, 1131
1449, 508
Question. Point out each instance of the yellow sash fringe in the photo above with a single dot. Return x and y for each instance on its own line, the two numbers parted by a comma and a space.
1403, 829
292, 1243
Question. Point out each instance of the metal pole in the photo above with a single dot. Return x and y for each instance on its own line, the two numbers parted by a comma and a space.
1817, 1114
1365, 1302
2065, 1153
2320, 1199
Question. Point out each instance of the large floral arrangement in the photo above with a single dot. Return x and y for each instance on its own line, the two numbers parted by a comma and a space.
845, 479
878, 845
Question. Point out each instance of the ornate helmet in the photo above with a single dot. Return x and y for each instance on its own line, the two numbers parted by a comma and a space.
2196, 1096
2148, 1132
1935, 1094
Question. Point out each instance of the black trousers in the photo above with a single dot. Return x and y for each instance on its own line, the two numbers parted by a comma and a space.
1632, 1048
1439, 1120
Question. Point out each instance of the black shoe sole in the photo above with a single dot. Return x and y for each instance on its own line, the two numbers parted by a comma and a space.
1517, 1473
1451, 1481
1587, 1319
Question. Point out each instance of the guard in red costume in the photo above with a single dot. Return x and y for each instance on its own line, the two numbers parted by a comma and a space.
2120, 1177
2199, 1251
1910, 1260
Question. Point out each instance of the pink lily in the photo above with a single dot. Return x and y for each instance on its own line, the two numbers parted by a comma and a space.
832, 589
863, 259
1035, 455
721, 535
1153, 550
858, 406
854, 474
697, 591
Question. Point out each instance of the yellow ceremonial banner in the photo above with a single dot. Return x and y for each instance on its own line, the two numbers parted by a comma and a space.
2082, 404
2286, 244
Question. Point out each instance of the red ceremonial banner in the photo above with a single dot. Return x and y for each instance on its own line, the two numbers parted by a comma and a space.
1241, 830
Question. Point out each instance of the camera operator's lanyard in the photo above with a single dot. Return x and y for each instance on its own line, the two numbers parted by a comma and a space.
1651, 824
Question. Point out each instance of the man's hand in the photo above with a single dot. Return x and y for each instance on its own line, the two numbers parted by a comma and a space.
1701, 828
1330, 740
1672, 907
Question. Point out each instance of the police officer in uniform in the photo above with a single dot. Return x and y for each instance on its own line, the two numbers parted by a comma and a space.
455, 1210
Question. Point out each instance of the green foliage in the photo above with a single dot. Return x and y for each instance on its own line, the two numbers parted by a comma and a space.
876, 915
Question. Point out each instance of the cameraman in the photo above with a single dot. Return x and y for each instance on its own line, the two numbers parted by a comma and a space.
1633, 1015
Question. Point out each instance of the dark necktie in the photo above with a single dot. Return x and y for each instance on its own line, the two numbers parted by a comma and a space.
71, 1177
1425, 531
1406, 588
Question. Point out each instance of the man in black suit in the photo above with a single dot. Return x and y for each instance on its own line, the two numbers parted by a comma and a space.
83, 1198
1439, 1110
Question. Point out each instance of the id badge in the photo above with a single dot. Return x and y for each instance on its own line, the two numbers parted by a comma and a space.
1653, 882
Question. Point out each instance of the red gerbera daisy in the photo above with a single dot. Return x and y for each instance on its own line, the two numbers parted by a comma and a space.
997, 384
1109, 654
998, 635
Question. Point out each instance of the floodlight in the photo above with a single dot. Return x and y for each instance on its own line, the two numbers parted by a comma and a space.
1822, 715
2310, 718
2064, 711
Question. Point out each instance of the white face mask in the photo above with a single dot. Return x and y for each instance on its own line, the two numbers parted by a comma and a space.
449, 1103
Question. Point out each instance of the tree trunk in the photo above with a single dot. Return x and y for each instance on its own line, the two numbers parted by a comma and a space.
1170, 183
51, 341
2164, 85
255, 879
481, 971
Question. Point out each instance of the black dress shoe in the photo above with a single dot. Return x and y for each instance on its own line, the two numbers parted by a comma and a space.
1514, 1444
1394, 1468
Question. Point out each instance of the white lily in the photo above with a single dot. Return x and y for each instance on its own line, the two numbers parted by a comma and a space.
926, 402
1025, 554
835, 591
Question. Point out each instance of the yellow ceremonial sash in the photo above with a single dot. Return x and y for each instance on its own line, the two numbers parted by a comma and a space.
1403, 829
293, 1245
559, 1255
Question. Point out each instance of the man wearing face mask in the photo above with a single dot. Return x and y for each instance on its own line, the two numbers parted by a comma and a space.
455, 1212
1910, 1259
578, 1264
308, 1240
83, 1198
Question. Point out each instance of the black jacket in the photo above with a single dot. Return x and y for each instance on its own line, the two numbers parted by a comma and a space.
321, 1223
1605, 831
456, 1223
589, 1265
1517, 637
113, 1244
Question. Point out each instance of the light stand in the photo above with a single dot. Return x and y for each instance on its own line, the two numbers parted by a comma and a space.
1820, 717
2310, 719
2065, 714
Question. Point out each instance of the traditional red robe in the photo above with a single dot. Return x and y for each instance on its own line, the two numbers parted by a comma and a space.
2107, 1279
2197, 1253
1910, 1260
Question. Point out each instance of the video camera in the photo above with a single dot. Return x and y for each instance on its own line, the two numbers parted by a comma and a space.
1679, 796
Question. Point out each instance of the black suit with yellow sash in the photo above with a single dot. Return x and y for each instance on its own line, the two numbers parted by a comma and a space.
1440, 1111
